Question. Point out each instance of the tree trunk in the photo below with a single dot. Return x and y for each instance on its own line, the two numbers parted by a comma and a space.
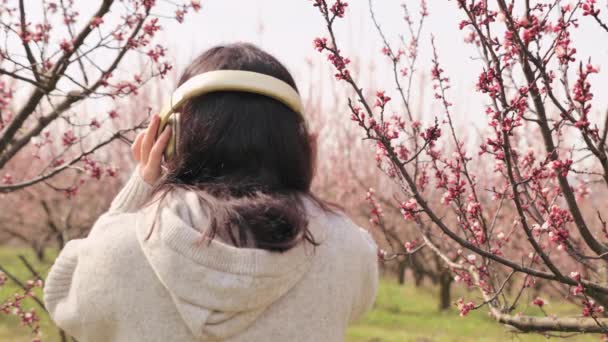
445, 284
401, 271
40, 253
417, 270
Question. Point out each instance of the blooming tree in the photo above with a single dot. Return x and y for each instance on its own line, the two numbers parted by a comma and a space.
58, 60
517, 209
55, 63
341, 176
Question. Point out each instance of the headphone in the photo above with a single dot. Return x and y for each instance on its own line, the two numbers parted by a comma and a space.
223, 80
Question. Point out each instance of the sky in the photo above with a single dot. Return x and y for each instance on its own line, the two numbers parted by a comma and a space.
286, 29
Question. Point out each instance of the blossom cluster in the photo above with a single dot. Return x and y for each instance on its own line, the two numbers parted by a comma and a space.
13, 305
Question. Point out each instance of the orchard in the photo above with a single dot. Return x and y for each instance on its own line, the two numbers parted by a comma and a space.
514, 213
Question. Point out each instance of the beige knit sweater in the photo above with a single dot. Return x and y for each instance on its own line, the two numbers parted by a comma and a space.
115, 285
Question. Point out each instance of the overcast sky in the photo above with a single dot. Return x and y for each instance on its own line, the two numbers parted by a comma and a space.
286, 28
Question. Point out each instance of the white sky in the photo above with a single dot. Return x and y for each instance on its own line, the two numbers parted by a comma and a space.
286, 28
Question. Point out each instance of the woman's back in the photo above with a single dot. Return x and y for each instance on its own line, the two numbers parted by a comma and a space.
170, 287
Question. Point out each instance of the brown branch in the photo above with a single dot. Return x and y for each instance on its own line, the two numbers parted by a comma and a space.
22, 78
16, 186
37, 94
23, 287
26, 45
47, 119
550, 148
29, 267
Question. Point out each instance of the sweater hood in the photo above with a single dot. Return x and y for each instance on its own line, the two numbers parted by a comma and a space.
218, 289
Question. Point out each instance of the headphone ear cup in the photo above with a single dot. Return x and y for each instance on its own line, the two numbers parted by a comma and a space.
171, 148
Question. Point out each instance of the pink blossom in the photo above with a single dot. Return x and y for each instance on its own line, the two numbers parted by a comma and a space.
465, 308
474, 208
71, 191
538, 302
381, 99
431, 134
196, 5
589, 8
410, 245
376, 212
96, 21
488, 83
562, 166
381, 254
111, 171
151, 27
148, 4
403, 152
339, 8
95, 124
66, 45
578, 289
470, 37
70, 17
591, 309
409, 209
68, 138
125, 88
320, 44
337, 60
118, 36
47, 64
423, 8
157, 52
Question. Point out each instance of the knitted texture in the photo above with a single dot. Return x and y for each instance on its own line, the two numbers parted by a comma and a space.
142, 274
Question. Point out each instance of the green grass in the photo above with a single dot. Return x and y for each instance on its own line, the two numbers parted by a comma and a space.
10, 325
406, 313
401, 313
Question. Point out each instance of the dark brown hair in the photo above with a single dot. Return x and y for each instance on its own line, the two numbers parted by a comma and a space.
249, 157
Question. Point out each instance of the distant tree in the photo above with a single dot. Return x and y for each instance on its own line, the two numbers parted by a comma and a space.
58, 68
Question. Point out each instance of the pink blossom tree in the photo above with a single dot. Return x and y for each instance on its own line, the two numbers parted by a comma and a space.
524, 206
57, 63
341, 176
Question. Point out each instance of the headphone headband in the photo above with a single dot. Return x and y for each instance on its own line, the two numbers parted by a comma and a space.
237, 80
227, 80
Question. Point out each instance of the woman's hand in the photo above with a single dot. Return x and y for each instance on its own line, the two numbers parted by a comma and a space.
149, 152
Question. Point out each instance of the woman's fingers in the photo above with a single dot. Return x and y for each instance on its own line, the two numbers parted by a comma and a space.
149, 151
148, 140
136, 147
156, 154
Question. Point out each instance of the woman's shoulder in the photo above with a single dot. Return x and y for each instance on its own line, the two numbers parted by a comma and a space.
112, 223
341, 232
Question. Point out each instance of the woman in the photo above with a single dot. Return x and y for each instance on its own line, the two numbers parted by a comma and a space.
225, 241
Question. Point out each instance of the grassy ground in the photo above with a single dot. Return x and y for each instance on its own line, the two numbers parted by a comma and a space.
402, 313
10, 326
405, 313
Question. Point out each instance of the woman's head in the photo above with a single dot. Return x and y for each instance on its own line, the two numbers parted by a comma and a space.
251, 152
239, 140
